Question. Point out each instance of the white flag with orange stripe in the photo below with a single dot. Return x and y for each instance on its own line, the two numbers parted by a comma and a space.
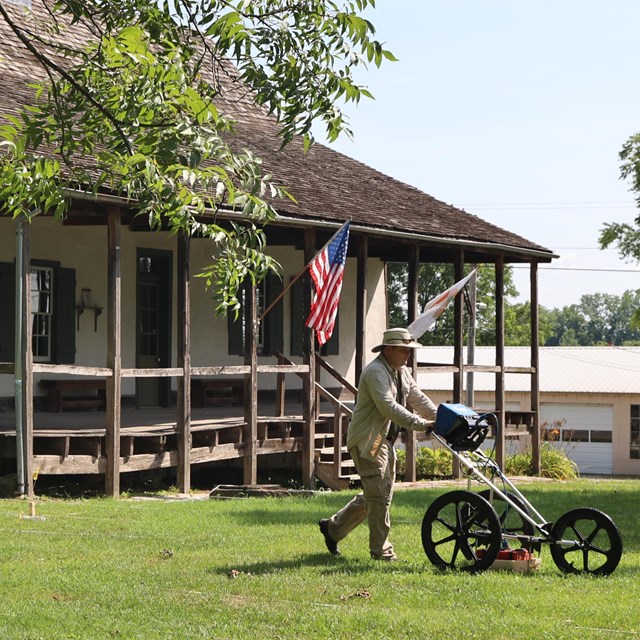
434, 308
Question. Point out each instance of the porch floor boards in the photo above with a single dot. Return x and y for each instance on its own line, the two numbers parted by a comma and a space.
155, 419
73, 442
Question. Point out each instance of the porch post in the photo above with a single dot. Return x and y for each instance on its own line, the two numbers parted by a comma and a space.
471, 336
535, 365
309, 380
412, 311
184, 362
458, 339
362, 248
250, 459
500, 400
114, 354
25, 361
458, 330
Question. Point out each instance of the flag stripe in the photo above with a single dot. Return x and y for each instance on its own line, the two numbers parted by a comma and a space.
327, 271
331, 293
327, 304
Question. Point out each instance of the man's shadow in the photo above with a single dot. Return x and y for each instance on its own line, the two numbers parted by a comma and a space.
325, 563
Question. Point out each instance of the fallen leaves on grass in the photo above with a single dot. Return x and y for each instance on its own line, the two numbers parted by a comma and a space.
360, 593
234, 573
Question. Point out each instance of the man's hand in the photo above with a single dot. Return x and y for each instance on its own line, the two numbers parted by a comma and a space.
429, 426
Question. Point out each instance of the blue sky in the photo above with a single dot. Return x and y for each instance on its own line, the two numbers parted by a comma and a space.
516, 112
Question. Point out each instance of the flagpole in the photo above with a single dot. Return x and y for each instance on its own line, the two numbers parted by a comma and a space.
301, 273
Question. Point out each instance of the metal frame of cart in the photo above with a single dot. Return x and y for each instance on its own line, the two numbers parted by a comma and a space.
464, 530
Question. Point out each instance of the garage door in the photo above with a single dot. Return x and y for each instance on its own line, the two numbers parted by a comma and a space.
586, 434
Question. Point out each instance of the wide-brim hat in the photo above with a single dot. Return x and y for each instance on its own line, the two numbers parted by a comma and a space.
397, 338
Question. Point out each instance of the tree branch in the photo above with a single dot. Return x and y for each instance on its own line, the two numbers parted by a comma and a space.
49, 64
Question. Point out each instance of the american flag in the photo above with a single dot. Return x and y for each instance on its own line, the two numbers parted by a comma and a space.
327, 269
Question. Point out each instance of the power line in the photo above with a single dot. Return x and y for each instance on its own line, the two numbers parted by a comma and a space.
580, 269
572, 202
588, 360
615, 204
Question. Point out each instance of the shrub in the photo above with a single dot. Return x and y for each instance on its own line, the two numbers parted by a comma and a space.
430, 463
437, 463
518, 464
401, 464
554, 463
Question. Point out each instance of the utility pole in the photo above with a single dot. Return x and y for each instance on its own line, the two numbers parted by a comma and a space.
471, 336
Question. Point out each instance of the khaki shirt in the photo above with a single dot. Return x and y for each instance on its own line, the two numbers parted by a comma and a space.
376, 407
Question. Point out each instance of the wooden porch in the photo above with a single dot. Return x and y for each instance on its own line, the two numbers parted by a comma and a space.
113, 440
74, 442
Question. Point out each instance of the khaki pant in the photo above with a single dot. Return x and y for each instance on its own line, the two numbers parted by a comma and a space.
372, 503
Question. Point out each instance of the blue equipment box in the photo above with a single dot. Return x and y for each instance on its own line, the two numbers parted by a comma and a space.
461, 427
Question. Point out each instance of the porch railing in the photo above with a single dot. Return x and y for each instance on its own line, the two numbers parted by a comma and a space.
340, 409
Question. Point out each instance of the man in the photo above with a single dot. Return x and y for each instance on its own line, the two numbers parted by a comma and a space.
385, 385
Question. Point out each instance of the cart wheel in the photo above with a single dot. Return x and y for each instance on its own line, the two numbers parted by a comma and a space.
511, 521
586, 541
461, 530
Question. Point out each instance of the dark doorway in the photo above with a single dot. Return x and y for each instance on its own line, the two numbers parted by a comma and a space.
153, 325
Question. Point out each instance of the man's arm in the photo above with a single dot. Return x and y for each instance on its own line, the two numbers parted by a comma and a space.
380, 386
419, 401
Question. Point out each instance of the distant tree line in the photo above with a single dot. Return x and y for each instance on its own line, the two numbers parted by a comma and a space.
598, 319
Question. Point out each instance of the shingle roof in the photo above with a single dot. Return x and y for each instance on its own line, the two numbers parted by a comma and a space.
328, 185
562, 369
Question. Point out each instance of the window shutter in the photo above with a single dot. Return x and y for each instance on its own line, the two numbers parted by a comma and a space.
7, 311
235, 329
332, 346
297, 317
274, 320
64, 316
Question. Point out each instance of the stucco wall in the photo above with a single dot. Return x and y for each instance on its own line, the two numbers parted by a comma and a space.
84, 248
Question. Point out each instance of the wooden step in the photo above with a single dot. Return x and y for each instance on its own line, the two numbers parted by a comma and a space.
331, 450
326, 472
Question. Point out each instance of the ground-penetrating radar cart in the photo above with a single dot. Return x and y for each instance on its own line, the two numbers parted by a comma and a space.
467, 530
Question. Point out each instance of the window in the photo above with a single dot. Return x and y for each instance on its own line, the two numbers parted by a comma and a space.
270, 329
261, 293
634, 451
574, 435
41, 312
53, 312
602, 436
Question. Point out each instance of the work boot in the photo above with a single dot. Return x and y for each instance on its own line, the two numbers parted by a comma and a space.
332, 545
390, 557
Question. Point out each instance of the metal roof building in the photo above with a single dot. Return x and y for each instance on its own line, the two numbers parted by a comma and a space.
562, 369
590, 394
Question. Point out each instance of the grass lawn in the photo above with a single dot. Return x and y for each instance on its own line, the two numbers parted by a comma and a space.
255, 568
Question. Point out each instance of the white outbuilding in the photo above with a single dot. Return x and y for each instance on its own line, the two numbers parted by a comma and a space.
589, 395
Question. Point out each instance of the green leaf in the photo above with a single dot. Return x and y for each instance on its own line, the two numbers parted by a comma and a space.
150, 119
